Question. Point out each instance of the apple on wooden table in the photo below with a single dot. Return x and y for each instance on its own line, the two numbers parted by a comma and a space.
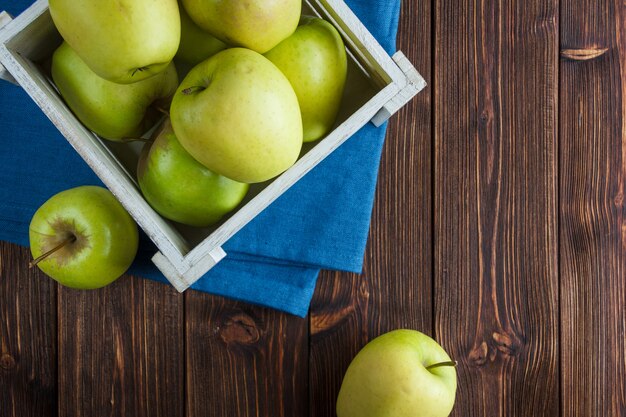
314, 61
113, 111
123, 41
180, 188
83, 238
403, 373
254, 24
237, 114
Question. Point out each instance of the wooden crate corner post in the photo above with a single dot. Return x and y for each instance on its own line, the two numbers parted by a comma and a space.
5, 18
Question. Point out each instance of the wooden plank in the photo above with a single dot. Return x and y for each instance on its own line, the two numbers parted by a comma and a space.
592, 209
121, 350
395, 289
496, 271
5, 18
244, 360
28, 340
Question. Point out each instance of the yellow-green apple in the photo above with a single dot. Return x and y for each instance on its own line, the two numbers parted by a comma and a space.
123, 41
314, 60
196, 44
237, 114
113, 111
182, 189
83, 238
255, 24
403, 373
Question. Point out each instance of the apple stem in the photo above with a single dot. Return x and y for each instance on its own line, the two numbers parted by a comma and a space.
437, 365
70, 239
138, 70
161, 110
194, 89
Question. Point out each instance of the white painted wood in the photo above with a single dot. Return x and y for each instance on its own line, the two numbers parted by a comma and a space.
5, 18
182, 280
387, 85
32, 34
360, 41
169, 271
6, 76
415, 84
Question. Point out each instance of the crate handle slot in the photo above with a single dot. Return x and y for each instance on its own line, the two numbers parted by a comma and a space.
5, 18
415, 84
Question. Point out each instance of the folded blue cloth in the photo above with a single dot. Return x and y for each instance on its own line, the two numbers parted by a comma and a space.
320, 223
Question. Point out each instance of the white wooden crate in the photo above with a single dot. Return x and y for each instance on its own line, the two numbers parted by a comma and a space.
378, 86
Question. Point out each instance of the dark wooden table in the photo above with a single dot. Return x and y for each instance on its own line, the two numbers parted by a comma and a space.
499, 228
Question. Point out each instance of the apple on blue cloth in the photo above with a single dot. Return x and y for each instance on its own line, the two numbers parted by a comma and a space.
83, 238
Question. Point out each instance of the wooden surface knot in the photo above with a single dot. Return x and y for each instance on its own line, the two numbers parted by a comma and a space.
240, 328
544, 24
331, 319
479, 355
583, 54
507, 344
7, 362
501, 344
486, 115
364, 291
343, 310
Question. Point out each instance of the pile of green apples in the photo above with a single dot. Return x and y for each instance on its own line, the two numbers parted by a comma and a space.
261, 79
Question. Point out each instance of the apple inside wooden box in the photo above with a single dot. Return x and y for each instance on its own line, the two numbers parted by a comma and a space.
377, 86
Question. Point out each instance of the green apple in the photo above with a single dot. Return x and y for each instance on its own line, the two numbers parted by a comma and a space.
83, 238
314, 60
237, 114
180, 188
254, 24
113, 111
403, 373
196, 44
123, 41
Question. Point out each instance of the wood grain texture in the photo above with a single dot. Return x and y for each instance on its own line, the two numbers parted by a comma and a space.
340, 320
496, 278
394, 291
583, 54
592, 210
243, 360
28, 337
121, 350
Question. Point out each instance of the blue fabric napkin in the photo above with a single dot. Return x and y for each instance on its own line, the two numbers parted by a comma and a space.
320, 223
